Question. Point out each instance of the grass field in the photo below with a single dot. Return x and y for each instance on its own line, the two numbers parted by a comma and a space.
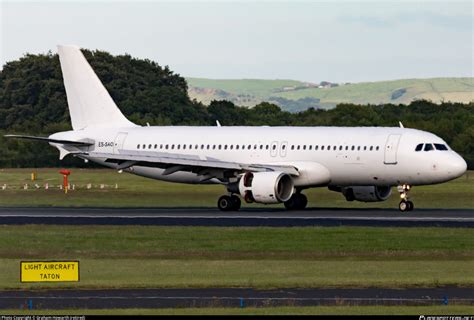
136, 191
320, 310
154, 256
435, 89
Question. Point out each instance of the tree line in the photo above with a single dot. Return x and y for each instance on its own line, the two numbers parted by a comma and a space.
33, 101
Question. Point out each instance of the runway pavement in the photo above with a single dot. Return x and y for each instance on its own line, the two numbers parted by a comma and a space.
230, 297
247, 217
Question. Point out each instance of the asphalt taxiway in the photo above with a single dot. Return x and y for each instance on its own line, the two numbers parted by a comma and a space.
230, 297
247, 217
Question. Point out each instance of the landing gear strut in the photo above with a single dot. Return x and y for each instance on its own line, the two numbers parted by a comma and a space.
229, 203
298, 201
405, 204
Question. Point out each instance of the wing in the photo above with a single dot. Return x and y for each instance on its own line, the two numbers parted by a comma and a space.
208, 168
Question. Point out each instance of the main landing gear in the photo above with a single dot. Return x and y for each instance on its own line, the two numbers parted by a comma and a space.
298, 201
229, 203
405, 204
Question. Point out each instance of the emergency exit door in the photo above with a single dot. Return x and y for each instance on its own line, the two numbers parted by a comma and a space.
391, 148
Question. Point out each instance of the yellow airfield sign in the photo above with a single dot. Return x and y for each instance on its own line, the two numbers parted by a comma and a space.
49, 271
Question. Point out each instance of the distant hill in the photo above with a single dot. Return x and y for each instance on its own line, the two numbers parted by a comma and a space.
294, 95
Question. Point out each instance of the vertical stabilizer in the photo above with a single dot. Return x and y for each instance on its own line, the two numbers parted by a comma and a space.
90, 105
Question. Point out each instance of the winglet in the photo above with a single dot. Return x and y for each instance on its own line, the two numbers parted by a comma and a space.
401, 124
218, 123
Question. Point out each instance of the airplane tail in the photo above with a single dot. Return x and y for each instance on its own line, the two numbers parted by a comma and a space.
90, 105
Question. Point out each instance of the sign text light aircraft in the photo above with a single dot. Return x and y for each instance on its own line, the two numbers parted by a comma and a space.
259, 164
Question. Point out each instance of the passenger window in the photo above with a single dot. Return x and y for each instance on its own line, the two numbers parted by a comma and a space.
249, 147
166, 147
428, 147
377, 148
172, 146
184, 147
138, 146
297, 147
304, 147
143, 146
316, 147
274, 147
358, 148
322, 147
292, 147
329, 148
340, 147
352, 148
310, 147
213, 147
225, 147
371, 148
156, 146
441, 147
347, 148
178, 146
261, 147
236, 147
231, 147
219, 147
365, 148
283, 147
266, 147
208, 147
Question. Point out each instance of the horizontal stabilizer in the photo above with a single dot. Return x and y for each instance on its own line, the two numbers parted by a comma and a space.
46, 139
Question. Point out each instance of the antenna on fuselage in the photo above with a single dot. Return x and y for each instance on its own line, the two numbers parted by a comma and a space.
218, 123
401, 124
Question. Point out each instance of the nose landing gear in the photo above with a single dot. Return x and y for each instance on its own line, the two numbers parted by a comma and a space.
405, 204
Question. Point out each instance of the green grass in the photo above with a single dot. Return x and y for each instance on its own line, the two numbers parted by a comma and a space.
152, 256
137, 191
435, 89
321, 310
255, 87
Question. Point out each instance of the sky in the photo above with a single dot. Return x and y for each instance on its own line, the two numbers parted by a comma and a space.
338, 41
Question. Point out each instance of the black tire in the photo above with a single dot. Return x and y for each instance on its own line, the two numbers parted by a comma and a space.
303, 201
225, 203
298, 201
411, 206
403, 206
236, 203
290, 204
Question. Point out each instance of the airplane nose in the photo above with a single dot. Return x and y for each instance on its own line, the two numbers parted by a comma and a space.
457, 166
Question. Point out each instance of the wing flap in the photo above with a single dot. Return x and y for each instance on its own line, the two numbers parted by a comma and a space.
187, 163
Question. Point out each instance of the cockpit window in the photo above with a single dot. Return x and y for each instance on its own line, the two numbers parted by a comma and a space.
428, 147
440, 146
419, 147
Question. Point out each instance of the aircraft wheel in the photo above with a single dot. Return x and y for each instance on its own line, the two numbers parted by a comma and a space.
411, 206
297, 201
225, 203
236, 203
403, 206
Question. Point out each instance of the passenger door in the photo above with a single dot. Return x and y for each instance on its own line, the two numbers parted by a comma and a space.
391, 147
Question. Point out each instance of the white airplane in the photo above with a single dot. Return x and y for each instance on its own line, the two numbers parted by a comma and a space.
260, 164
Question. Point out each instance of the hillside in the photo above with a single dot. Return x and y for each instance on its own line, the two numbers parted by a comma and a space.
295, 95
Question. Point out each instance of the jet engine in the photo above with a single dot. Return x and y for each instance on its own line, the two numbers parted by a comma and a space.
266, 187
367, 193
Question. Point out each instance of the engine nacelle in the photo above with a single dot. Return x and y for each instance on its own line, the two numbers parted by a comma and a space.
367, 193
266, 187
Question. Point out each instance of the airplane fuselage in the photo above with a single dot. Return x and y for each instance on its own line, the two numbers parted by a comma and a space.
380, 156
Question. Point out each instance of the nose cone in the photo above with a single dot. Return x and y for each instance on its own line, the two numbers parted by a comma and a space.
457, 166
